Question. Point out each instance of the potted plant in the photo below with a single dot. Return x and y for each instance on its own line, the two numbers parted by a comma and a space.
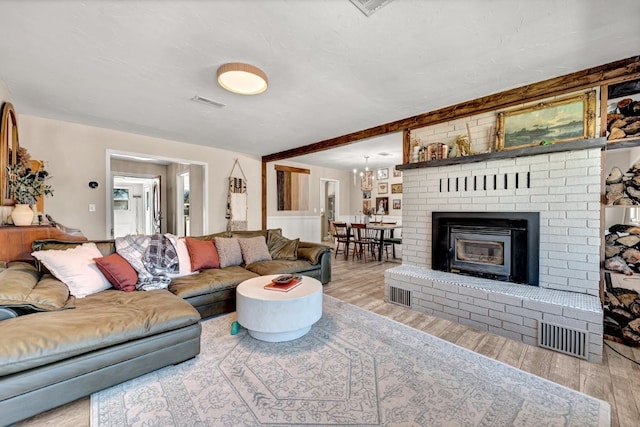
25, 186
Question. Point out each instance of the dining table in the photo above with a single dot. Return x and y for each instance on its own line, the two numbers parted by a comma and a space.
382, 231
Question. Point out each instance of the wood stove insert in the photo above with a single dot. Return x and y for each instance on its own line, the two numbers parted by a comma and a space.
495, 245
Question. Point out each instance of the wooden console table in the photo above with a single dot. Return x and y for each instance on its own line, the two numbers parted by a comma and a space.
15, 242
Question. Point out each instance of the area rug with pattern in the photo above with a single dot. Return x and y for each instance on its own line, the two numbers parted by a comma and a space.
354, 368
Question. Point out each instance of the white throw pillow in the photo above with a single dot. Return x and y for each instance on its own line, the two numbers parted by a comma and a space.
76, 268
184, 260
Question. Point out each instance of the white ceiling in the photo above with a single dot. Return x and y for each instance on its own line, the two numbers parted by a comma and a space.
135, 65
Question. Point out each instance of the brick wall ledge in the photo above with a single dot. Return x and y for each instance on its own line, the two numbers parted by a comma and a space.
548, 296
582, 144
502, 308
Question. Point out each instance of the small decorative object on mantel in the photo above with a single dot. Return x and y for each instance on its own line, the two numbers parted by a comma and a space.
436, 151
26, 185
463, 146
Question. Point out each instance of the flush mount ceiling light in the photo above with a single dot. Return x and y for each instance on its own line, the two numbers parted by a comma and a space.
242, 78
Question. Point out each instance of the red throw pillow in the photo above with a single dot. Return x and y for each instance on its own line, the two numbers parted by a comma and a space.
118, 272
203, 254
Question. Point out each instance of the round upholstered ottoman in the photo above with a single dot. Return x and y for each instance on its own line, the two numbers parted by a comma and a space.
276, 316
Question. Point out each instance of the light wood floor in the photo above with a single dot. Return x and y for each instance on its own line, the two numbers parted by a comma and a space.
616, 380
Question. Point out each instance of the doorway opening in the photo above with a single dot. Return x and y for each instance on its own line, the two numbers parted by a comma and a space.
133, 202
329, 199
183, 217
151, 194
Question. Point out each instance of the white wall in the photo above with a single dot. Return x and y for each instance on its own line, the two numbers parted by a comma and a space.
4, 93
307, 225
76, 154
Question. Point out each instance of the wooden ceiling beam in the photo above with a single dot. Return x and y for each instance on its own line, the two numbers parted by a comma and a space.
614, 71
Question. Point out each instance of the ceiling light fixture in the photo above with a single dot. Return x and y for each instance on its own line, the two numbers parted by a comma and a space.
242, 78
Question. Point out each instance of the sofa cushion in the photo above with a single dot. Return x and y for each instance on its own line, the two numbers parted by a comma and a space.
118, 272
312, 252
76, 268
99, 321
202, 253
105, 247
209, 281
229, 251
22, 287
254, 249
264, 268
282, 248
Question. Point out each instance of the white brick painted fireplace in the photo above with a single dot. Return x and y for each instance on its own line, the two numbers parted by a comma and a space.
565, 188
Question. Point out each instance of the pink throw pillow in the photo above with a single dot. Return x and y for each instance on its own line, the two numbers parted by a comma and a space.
203, 254
118, 272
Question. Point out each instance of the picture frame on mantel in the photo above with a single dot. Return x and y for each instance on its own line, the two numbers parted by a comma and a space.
561, 120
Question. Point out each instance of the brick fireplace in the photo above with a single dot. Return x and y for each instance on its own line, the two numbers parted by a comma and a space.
563, 188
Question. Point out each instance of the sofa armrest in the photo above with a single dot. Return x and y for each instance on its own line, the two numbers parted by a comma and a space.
312, 252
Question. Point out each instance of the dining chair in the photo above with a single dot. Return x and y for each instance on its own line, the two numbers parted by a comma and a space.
343, 238
360, 241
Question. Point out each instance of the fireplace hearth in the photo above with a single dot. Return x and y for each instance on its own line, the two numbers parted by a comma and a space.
496, 245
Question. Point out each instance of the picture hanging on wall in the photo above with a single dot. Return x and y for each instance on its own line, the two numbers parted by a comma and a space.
397, 204
366, 206
383, 188
397, 173
383, 173
366, 195
396, 188
560, 120
382, 206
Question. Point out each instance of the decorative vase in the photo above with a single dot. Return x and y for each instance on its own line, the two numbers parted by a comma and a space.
22, 215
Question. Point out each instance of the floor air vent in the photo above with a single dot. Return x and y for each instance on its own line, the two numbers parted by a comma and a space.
565, 340
400, 296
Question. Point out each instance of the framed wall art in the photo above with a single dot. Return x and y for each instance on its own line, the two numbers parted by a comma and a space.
383, 174
397, 204
366, 195
383, 188
396, 173
396, 188
561, 120
382, 205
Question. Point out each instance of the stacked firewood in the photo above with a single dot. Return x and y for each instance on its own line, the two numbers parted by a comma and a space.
623, 188
622, 315
622, 249
625, 123
622, 306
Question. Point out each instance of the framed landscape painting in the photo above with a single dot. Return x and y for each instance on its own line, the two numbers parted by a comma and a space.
561, 120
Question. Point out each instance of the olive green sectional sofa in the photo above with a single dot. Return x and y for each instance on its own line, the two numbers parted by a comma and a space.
55, 348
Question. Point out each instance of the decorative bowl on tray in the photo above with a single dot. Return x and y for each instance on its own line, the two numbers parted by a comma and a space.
283, 279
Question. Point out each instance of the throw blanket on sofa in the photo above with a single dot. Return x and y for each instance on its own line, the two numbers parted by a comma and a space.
151, 256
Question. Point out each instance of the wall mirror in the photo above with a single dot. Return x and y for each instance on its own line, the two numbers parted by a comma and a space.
8, 150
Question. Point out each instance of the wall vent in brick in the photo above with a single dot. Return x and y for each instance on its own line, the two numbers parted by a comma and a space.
400, 296
565, 340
